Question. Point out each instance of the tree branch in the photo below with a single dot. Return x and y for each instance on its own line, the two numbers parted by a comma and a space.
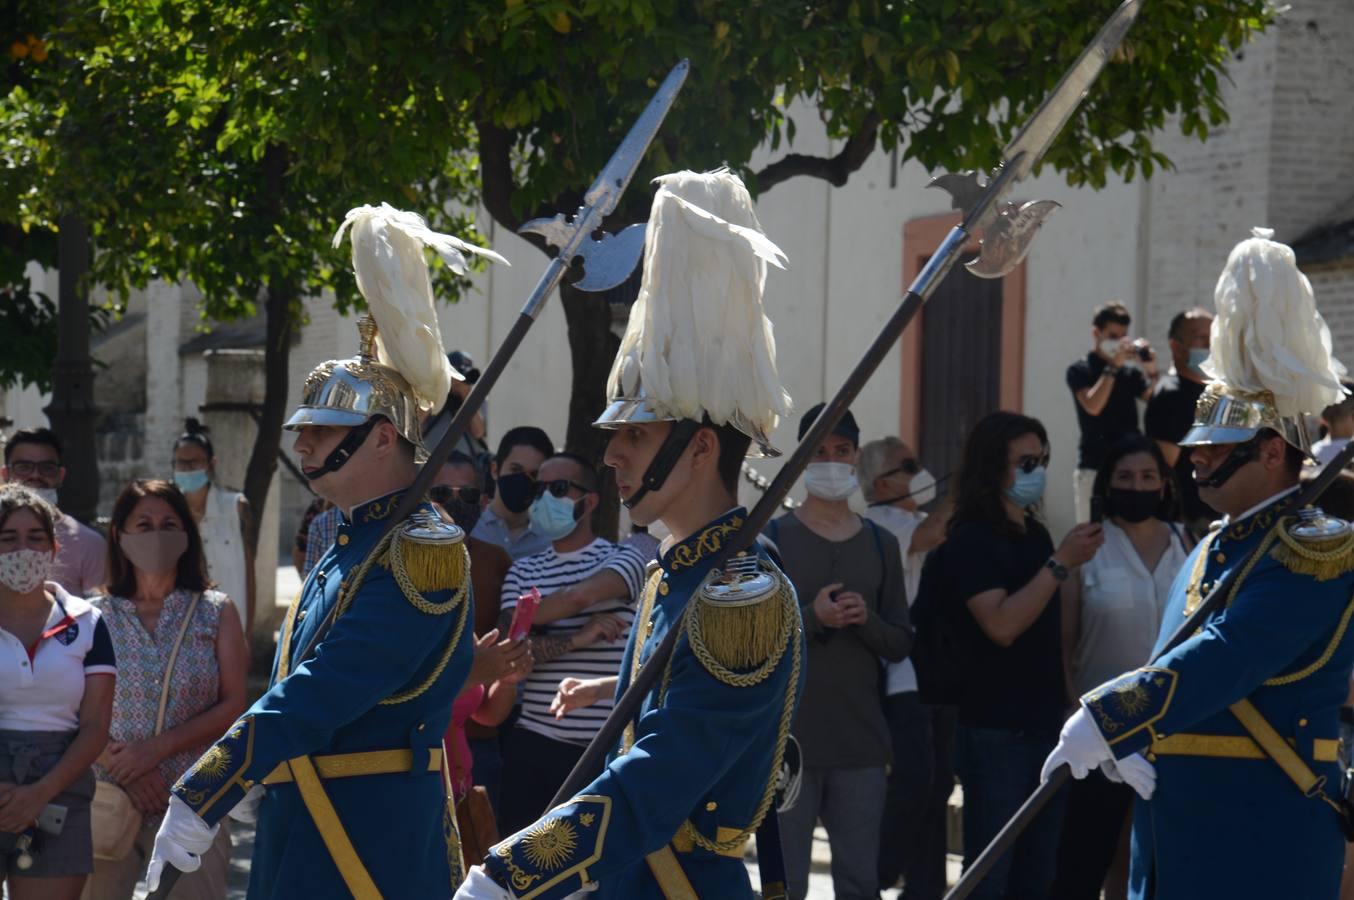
496, 180
835, 169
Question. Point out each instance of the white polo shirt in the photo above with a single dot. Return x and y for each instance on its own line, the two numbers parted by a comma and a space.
41, 687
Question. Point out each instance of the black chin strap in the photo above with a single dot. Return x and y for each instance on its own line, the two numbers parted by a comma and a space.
1240, 455
673, 446
345, 450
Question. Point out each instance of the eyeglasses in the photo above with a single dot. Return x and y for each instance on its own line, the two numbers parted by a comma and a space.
445, 494
24, 469
910, 466
558, 488
1028, 464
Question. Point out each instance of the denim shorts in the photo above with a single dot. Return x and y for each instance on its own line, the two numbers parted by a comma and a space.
25, 756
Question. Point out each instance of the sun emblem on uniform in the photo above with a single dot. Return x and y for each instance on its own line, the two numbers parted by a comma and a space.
550, 844
213, 763
1132, 700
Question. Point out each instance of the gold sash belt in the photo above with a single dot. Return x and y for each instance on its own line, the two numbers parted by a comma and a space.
348, 765
1233, 747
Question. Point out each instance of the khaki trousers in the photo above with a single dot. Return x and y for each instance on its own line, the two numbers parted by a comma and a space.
116, 879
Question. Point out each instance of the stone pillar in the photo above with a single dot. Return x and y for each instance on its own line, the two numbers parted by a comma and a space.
164, 412
234, 393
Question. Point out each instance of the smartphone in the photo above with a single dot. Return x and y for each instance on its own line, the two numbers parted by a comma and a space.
1097, 510
524, 614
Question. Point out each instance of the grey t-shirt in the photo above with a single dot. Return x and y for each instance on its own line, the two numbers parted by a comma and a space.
841, 717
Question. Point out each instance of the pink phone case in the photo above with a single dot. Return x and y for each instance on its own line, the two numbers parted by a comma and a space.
523, 614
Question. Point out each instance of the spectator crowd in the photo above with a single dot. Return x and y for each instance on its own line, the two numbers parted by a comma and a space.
126, 654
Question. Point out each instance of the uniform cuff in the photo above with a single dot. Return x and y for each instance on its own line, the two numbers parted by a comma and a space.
1125, 709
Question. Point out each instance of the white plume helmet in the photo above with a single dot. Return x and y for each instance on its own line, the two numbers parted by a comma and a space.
1268, 334
698, 342
392, 275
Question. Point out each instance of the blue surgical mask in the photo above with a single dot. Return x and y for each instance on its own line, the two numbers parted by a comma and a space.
1028, 488
191, 481
1197, 355
553, 516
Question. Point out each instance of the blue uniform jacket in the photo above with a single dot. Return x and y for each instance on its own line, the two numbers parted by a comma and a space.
1225, 820
382, 646
701, 752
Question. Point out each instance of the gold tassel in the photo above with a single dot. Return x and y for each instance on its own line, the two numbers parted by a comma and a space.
423, 568
1323, 561
730, 639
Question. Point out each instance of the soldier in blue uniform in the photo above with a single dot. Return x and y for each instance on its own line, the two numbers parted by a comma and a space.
695, 774
341, 761
1231, 737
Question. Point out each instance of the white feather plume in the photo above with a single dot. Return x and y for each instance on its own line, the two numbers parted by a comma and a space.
1268, 334
698, 339
392, 275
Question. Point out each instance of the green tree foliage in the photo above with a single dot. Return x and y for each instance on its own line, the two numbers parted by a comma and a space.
222, 142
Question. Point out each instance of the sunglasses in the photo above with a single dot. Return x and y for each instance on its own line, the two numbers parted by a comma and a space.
910, 466
444, 494
558, 488
1028, 464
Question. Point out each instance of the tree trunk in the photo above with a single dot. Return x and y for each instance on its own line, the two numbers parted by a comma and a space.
278, 309
71, 412
592, 346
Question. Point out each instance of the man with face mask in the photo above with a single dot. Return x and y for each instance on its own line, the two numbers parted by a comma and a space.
1170, 412
540, 750
507, 520
1231, 738
912, 842
848, 573
694, 776
340, 762
33, 459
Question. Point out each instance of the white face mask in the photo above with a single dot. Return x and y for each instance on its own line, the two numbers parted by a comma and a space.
922, 488
48, 494
830, 480
1109, 347
23, 570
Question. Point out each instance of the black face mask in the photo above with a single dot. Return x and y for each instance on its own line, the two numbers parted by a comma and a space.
1134, 506
517, 491
463, 514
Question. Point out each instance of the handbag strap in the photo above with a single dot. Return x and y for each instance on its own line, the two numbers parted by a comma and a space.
173, 658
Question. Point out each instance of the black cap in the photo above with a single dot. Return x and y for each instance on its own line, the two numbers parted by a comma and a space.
462, 363
846, 426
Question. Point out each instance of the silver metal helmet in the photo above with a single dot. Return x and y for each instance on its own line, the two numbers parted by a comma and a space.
1227, 416
348, 392
639, 409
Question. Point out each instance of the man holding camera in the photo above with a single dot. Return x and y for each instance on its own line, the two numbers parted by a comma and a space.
1107, 385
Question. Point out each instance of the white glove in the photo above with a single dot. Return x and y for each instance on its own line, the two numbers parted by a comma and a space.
1134, 771
1080, 745
182, 839
479, 886
247, 810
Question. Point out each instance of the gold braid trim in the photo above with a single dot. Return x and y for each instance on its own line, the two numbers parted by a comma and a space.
1323, 560
380, 554
725, 637
787, 714
1321, 661
420, 568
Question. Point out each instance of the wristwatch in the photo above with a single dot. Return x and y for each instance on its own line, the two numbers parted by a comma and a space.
1111, 370
1058, 569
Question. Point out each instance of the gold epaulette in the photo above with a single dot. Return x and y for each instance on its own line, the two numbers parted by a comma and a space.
427, 555
740, 622
1320, 547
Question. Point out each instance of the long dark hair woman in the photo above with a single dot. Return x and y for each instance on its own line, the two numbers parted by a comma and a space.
1112, 607
56, 694
169, 628
999, 579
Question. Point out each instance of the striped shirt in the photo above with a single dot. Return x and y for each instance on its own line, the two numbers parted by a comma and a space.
549, 572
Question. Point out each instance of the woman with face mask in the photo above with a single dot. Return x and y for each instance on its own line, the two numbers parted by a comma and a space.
997, 578
223, 518
56, 691
168, 627
1113, 605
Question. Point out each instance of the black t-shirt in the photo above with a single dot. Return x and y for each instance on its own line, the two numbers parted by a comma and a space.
1015, 687
1118, 418
1170, 413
